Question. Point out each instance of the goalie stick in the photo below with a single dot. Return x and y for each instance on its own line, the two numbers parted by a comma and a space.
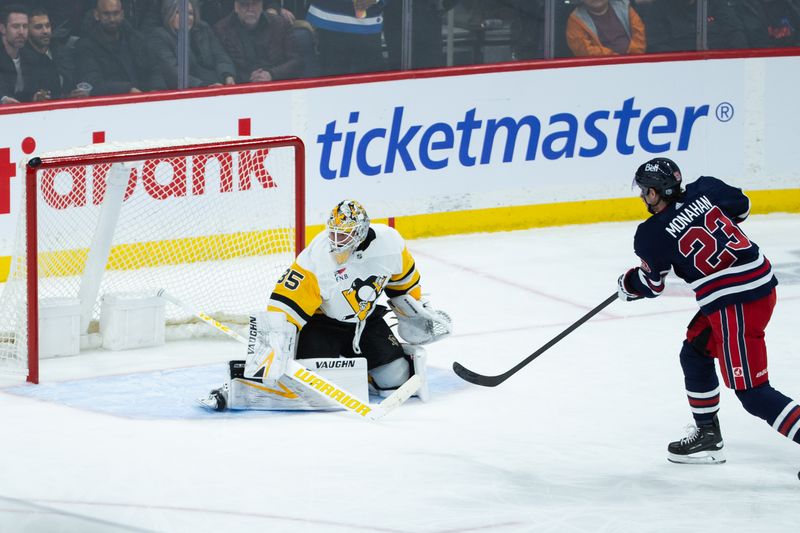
493, 381
312, 381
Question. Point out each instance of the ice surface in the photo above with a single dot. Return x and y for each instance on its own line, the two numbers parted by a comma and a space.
575, 442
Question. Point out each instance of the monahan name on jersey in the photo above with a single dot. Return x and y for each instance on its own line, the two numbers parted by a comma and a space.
316, 283
698, 237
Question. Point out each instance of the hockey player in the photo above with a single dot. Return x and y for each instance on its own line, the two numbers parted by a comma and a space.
326, 306
695, 233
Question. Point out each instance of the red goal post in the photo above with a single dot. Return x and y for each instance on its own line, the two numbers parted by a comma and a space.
214, 222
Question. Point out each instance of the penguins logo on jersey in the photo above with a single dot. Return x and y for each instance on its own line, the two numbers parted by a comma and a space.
363, 294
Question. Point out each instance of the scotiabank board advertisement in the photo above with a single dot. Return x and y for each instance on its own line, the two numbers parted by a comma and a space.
471, 140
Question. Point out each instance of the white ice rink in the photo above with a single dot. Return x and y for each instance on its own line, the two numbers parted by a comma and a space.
575, 442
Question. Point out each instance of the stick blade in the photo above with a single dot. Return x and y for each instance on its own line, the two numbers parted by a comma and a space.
476, 379
396, 399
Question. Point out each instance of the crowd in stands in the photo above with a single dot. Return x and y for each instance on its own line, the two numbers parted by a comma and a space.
80, 48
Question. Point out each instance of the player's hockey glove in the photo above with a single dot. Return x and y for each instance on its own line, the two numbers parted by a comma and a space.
624, 290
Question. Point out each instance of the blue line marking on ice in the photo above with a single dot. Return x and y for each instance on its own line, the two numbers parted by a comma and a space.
172, 394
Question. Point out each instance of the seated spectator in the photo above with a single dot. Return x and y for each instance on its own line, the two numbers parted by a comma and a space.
770, 23
14, 34
49, 68
605, 28
348, 34
672, 25
141, 14
65, 16
216, 10
114, 57
260, 44
209, 64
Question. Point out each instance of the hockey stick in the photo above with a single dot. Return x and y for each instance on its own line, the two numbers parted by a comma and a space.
312, 381
493, 381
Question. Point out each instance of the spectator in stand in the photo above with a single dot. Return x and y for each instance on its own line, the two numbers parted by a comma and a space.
605, 28
348, 34
14, 34
770, 23
672, 25
215, 10
260, 44
65, 17
209, 64
47, 71
141, 14
114, 57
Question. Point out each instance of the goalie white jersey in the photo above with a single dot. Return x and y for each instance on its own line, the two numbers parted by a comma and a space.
348, 292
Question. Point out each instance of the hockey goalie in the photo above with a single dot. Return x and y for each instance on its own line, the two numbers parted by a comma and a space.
324, 312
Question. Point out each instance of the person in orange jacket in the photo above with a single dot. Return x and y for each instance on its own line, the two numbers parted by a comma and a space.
605, 28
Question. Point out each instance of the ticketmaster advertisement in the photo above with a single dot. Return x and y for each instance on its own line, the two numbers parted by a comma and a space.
469, 142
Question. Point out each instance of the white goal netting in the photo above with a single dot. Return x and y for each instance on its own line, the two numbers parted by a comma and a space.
214, 225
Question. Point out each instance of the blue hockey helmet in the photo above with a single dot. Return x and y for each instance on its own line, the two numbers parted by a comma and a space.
661, 174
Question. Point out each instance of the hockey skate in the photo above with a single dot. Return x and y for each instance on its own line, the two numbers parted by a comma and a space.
217, 399
702, 445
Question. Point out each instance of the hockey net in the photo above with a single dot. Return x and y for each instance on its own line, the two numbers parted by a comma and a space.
214, 223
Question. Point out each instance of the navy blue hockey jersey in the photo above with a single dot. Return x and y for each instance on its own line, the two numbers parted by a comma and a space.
699, 239
340, 16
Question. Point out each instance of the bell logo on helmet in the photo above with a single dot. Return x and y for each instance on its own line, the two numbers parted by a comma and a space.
651, 168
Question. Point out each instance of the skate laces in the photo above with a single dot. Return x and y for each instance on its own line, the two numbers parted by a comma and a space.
692, 434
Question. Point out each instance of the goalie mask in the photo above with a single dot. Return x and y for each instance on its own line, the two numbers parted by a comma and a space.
347, 227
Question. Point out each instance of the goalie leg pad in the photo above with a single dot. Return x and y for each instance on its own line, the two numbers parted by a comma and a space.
391, 375
385, 379
286, 395
419, 360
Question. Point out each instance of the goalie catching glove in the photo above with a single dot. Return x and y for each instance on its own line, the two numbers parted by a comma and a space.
418, 322
271, 343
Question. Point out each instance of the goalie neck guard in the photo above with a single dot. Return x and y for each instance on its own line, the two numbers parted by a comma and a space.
347, 227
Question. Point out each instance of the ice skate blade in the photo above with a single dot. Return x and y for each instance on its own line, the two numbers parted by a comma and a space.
708, 457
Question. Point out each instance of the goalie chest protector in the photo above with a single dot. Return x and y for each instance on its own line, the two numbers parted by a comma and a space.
345, 292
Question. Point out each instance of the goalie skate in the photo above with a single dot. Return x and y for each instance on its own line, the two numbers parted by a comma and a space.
217, 399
